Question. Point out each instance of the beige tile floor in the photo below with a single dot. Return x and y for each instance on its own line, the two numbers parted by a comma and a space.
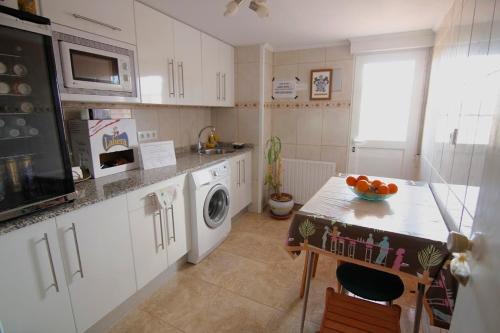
248, 284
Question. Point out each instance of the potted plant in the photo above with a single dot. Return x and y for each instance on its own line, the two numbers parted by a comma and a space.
281, 203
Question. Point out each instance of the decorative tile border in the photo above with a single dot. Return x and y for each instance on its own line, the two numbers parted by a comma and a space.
308, 105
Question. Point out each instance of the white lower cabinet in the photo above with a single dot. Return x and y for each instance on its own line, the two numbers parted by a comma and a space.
241, 182
159, 236
97, 254
33, 292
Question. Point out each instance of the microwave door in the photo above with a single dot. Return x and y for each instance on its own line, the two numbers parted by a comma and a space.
89, 68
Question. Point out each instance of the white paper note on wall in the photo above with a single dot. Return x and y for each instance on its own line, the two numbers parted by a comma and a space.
157, 154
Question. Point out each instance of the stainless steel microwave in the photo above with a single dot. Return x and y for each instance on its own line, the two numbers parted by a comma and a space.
91, 70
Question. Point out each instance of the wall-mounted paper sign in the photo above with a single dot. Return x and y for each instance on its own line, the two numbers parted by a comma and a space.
157, 154
283, 89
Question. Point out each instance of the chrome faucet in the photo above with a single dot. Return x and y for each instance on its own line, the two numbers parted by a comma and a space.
199, 137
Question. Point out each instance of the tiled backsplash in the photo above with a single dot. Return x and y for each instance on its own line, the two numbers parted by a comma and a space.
178, 123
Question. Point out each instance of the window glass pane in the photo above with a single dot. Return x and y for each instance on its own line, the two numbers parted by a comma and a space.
386, 93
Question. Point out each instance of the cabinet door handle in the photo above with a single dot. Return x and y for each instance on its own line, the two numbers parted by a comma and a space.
171, 208
80, 270
81, 17
180, 73
244, 172
218, 86
239, 173
161, 231
171, 90
224, 86
51, 261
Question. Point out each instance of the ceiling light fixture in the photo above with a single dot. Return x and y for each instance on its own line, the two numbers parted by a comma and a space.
232, 7
258, 6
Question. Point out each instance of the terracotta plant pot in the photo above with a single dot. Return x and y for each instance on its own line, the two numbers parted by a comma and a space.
281, 205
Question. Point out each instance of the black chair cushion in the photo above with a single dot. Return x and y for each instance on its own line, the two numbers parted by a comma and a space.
370, 283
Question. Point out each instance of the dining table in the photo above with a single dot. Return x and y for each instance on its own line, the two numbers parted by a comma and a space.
404, 235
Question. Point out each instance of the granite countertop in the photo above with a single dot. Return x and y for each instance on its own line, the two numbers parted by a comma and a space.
95, 190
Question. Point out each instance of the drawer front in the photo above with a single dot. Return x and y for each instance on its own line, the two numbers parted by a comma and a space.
111, 18
140, 198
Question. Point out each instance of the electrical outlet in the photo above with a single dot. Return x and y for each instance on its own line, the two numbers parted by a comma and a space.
147, 135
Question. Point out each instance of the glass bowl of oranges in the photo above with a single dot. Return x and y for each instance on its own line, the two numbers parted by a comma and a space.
372, 190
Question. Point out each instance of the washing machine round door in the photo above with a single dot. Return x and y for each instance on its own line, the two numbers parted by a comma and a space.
216, 206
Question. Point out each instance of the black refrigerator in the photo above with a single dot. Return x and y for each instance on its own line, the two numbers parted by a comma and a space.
35, 169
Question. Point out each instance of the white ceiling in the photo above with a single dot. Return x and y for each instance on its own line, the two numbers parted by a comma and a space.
306, 23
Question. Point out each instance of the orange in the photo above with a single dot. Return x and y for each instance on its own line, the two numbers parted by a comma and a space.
393, 188
351, 181
383, 189
363, 178
376, 183
362, 186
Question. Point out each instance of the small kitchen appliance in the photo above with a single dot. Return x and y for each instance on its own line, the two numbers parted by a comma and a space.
104, 147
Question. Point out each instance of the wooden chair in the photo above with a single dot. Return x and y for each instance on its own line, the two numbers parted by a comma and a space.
346, 314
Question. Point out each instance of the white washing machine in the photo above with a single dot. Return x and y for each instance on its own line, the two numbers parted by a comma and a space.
210, 217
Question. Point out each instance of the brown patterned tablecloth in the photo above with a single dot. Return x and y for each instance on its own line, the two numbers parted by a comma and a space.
405, 234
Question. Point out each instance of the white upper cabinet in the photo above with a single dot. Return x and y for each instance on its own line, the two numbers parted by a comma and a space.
218, 72
226, 53
188, 64
155, 48
34, 295
97, 252
211, 70
111, 18
169, 54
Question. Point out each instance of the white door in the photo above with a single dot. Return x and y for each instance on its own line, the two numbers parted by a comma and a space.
226, 63
234, 186
177, 223
211, 70
34, 295
188, 64
155, 55
97, 253
387, 104
149, 243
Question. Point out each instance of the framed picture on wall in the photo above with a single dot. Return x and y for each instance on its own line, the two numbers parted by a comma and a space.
321, 84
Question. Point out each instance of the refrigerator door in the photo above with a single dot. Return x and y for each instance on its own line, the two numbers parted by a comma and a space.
34, 160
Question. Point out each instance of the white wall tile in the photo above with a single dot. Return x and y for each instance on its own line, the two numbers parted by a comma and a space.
169, 122
225, 121
284, 125
335, 127
335, 154
308, 152
309, 125
248, 125
288, 150
286, 72
146, 119
248, 82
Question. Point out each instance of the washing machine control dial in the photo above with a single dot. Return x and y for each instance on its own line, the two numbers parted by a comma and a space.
215, 173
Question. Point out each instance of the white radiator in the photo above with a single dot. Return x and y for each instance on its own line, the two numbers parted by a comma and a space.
303, 178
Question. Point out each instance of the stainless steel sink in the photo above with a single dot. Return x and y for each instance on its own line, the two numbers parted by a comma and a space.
216, 151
